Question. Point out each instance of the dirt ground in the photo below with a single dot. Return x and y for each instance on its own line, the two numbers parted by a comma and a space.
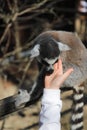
28, 118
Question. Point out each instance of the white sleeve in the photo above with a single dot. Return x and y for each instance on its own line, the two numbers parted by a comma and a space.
50, 110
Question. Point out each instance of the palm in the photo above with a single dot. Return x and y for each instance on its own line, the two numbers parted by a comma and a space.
56, 79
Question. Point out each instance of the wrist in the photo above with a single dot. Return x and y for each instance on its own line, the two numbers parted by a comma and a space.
52, 87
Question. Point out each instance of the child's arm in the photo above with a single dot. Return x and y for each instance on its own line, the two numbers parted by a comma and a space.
50, 111
51, 102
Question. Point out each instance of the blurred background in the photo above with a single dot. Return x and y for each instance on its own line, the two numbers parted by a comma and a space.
20, 22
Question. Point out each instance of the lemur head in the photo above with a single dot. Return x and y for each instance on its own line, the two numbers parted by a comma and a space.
47, 51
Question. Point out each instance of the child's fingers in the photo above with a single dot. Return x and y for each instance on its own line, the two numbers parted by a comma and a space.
55, 66
67, 73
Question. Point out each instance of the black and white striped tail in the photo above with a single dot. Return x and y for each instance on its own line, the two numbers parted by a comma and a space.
24, 98
77, 109
19, 101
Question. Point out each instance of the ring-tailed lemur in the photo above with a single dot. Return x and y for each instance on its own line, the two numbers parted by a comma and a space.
47, 48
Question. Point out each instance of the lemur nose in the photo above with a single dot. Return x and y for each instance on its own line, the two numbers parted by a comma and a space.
50, 70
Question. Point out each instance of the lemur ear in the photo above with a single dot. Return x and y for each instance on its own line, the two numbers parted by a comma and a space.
35, 51
63, 47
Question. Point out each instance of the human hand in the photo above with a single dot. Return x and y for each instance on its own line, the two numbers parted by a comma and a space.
57, 78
